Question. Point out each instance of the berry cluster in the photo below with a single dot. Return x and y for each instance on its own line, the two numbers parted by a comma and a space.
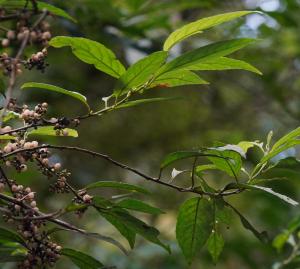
7, 64
37, 61
33, 116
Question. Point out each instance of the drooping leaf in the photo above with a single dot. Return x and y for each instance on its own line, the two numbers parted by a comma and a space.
53, 88
41, 6
80, 259
224, 63
146, 101
7, 235
223, 214
49, 131
133, 225
116, 185
215, 245
11, 254
194, 225
197, 27
279, 195
91, 52
190, 60
262, 236
137, 205
177, 78
139, 73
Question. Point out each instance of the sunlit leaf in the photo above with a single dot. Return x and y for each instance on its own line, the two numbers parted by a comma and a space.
91, 52
200, 25
49, 131
139, 73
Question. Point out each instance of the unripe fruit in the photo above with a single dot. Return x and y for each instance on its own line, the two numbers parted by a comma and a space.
57, 166
14, 188
87, 198
5, 42
11, 34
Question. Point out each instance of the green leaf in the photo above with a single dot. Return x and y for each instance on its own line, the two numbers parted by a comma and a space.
269, 190
7, 137
116, 185
80, 259
146, 101
286, 138
53, 88
229, 161
91, 52
177, 78
190, 60
9, 115
49, 130
2, 87
133, 225
8, 235
246, 145
194, 225
74, 207
41, 6
204, 167
140, 73
223, 214
137, 205
224, 63
215, 245
179, 155
202, 24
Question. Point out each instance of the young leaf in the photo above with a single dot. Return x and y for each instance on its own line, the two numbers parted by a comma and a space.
49, 130
224, 63
197, 27
140, 72
137, 205
80, 259
145, 101
91, 52
190, 60
53, 88
215, 245
194, 225
41, 6
116, 185
177, 78
287, 138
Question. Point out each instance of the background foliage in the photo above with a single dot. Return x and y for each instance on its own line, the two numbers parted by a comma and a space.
236, 106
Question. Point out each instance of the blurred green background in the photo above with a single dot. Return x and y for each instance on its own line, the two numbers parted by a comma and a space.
236, 106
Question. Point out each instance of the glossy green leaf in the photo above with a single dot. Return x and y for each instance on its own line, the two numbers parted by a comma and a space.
80, 259
224, 63
53, 88
246, 145
116, 185
140, 73
177, 78
146, 101
215, 245
91, 52
41, 6
194, 225
200, 25
137, 205
49, 131
190, 60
